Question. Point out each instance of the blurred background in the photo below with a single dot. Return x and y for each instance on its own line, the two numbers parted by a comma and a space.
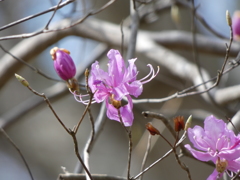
34, 129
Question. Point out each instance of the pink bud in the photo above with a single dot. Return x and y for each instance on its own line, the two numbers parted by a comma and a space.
63, 63
236, 25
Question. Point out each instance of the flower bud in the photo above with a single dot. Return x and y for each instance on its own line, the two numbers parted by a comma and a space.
221, 165
72, 84
22, 80
63, 63
188, 123
228, 18
179, 123
236, 25
152, 130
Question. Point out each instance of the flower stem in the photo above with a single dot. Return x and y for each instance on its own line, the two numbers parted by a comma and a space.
129, 133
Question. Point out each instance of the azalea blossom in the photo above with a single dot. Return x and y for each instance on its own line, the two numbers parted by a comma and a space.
119, 82
216, 143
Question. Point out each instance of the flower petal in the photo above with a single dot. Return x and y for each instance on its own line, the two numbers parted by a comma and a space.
135, 88
214, 175
125, 111
202, 156
116, 67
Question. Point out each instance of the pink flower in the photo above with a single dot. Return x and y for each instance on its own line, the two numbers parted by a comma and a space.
215, 143
236, 25
119, 82
63, 63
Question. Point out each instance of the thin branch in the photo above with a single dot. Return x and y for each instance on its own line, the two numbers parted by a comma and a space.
70, 176
50, 106
69, 131
146, 154
98, 126
19, 152
36, 70
129, 133
181, 164
28, 35
75, 129
201, 19
73, 134
236, 176
161, 117
36, 15
160, 159
54, 12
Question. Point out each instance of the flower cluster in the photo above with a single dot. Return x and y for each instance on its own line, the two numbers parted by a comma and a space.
118, 83
216, 143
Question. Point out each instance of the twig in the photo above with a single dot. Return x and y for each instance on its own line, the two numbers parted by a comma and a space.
50, 106
75, 129
201, 19
184, 92
19, 152
181, 164
71, 176
98, 127
73, 134
36, 15
160, 159
29, 65
236, 176
146, 154
28, 35
69, 131
161, 117
54, 12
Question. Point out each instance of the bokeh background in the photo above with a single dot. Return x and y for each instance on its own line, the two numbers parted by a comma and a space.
44, 143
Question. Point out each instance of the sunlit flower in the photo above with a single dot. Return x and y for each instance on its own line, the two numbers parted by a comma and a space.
119, 82
236, 25
215, 143
63, 63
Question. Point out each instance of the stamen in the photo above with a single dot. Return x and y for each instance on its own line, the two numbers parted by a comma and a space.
78, 97
151, 72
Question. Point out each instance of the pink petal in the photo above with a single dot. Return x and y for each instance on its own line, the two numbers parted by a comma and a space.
202, 156
135, 88
214, 175
125, 111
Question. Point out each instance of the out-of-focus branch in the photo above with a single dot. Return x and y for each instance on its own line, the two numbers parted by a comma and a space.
108, 33
182, 40
227, 95
44, 30
134, 30
98, 126
36, 15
